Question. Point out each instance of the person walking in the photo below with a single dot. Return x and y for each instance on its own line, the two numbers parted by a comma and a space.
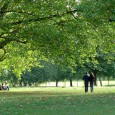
91, 81
86, 79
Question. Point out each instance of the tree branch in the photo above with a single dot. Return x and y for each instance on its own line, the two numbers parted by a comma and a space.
8, 40
3, 56
44, 18
4, 7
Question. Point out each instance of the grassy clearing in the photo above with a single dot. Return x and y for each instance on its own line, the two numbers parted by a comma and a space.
57, 101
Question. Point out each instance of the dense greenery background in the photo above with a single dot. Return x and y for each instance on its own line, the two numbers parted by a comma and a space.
73, 36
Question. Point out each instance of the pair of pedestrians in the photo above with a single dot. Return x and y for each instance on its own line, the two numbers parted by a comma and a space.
88, 78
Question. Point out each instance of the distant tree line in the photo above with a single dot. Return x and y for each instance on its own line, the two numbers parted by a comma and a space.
48, 72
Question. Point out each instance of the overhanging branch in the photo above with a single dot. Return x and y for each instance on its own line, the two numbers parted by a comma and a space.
45, 18
4, 8
3, 56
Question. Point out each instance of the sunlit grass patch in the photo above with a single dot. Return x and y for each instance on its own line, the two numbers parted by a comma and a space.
57, 101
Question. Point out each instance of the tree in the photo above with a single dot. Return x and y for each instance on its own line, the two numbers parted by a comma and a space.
58, 29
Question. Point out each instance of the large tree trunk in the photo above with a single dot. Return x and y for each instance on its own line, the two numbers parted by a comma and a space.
100, 81
29, 84
56, 82
20, 83
71, 83
25, 84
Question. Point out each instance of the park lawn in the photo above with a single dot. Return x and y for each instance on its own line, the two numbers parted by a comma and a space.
57, 101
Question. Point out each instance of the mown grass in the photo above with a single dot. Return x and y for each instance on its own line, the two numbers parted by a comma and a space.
57, 101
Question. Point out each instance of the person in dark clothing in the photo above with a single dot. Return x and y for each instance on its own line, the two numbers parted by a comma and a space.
86, 79
91, 80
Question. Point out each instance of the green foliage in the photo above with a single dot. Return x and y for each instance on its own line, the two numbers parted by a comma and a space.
44, 73
67, 31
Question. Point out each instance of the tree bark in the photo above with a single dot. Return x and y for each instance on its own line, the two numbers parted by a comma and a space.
100, 81
20, 83
71, 85
108, 81
56, 83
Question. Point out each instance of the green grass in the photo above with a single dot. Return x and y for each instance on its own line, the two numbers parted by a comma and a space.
57, 101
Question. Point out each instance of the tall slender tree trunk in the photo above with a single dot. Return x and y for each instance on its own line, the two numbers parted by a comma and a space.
25, 84
29, 83
100, 81
56, 82
20, 83
71, 82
